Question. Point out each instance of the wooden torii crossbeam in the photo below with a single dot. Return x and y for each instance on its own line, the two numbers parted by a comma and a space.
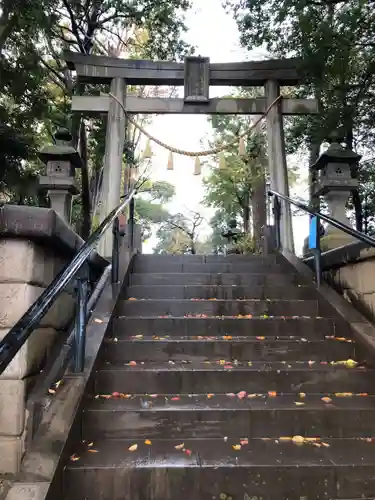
196, 74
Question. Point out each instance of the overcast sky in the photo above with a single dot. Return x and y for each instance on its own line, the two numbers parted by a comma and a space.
214, 34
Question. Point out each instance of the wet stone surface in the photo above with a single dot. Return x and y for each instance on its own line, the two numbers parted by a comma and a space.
219, 380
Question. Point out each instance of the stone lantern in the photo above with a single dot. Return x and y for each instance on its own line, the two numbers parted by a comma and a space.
61, 160
335, 182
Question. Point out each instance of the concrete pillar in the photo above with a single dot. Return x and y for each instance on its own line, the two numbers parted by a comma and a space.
277, 160
114, 146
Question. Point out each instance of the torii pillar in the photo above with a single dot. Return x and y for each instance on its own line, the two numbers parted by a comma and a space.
277, 161
114, 147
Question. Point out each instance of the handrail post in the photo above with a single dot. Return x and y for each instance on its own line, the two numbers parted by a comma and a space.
79, 349
131, 224
314, 244
277, 218
115, 250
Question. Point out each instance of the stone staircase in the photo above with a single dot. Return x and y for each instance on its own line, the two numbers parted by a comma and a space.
216, 382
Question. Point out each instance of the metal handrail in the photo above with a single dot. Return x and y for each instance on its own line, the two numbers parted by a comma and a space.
339, 225
20, 332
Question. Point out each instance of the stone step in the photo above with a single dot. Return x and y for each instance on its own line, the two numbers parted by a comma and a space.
212, 468
226, 292
207, 259
143, 348
239, 279
305, 328
211, 377
194, 267
219, 415
178, 308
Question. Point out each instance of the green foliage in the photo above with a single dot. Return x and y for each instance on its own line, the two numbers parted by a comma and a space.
179, 235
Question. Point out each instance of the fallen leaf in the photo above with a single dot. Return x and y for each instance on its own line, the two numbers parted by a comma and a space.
116, 394
132, 298
176, 398
97, 320
209, 396
228, 367
231, 394
125, 396
241, 394
133, 447
133, 363
251, 396
298, 439
299, 403
326, 400
312, 439
285, 438
91, 444
260, 338
244, 442
138, 337
74, 457
148, 442
225, 439
343, 394
272, 394
362, 394
310, 362
180, 446
302, 395
188, 452
222, 362
51, 391
249, 363
326, 445
236, 447
227, 337
350, 363
93, 451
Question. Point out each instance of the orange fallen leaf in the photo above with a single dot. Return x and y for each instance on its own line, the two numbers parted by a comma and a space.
343, 394
93, 451
227, 337
74, 457
312, 439
272, 394
236, 447
209, 396
285, 438
148, 442
133, 447
362, 394
260, 338
326, 400
132, 298
125, 396
180, 446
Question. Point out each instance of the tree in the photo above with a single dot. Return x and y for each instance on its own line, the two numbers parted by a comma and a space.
335, 41
32, 36
179, 234
231, 189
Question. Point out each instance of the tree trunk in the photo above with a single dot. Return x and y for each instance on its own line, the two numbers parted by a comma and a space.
356, 199
246, 218
259, 207
85, 187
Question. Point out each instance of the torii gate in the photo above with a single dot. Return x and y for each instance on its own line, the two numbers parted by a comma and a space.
196, 74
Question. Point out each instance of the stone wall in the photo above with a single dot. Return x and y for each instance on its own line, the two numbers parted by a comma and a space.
35, 244
351, 270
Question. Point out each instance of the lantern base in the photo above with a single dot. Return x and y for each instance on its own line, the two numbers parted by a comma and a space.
335, 239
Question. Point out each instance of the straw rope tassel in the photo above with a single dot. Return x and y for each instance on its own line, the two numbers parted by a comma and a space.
147, 153
197, 166
242, 147
170, 161
222, 161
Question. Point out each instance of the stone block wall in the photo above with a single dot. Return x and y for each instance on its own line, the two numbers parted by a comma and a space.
35, 244
351, 270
